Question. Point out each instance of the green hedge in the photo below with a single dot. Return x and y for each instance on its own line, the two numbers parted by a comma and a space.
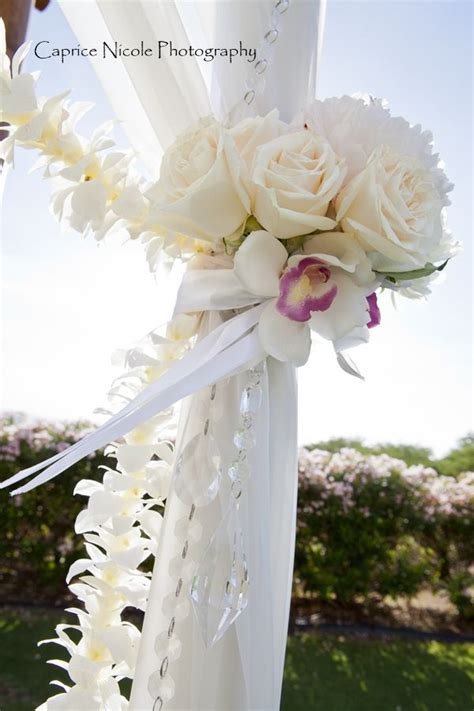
37, 540
367, 524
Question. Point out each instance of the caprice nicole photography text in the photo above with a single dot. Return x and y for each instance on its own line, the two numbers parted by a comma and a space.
44, 49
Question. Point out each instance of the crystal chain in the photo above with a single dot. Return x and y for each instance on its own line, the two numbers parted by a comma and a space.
167, 644
255, 83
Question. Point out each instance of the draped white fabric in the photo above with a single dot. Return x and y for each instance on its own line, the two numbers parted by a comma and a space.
156, 100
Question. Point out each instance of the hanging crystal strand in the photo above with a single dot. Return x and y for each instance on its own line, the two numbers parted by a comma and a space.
219, 589
196, 483
255, 83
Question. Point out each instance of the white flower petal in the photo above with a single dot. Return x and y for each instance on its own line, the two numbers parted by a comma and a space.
282, 338
259, 262
151, 522
342, 250
88, 201
348, 313
133, 458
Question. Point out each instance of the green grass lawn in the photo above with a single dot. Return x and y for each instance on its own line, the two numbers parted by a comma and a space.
336, 674
323, 673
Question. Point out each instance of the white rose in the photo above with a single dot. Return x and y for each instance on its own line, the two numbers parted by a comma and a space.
200, 193
294, 178
251, 133
394, 210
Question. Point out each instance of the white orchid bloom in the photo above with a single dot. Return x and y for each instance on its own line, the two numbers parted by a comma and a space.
94, 184
18, 102
324, 289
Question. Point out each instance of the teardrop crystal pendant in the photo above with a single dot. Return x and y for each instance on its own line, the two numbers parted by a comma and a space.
219, 589
198, 471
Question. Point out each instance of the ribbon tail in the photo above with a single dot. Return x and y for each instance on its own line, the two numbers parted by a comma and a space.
348, 366
234, 358
214, 343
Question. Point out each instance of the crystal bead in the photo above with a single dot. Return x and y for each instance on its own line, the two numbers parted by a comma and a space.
186, 529
248, 421
255, 377
251, 400
181, 567
198, 471
166, 646
236, 489
249, 96
261, 66
244, 438
264, 51
239, 470
242, 455
161, 688
272, 36
220, 586
282, 6
177, 607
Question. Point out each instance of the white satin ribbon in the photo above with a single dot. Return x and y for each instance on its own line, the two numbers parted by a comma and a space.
230, 348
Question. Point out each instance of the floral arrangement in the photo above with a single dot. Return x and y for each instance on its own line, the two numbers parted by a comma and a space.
314, 217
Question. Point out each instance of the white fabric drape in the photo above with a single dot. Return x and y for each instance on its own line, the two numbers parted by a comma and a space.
155, 100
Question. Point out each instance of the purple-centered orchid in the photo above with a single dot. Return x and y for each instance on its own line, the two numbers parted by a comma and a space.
305, 288
324, 289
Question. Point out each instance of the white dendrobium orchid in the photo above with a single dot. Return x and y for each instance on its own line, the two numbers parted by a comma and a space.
325, 290
18, 101
51, 131
95, 183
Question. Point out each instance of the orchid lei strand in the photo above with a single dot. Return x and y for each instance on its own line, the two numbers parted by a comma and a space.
120, 524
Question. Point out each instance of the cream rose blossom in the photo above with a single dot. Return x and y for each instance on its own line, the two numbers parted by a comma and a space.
251, 133
200, 193
294, 178
394, 210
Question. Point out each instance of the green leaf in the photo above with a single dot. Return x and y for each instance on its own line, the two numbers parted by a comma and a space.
233, 241
414, 274
252, 225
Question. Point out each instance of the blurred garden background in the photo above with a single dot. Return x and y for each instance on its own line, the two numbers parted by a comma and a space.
382, 613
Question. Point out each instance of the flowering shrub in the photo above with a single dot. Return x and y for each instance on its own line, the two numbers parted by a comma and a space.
367, 524
37, 539
370, 524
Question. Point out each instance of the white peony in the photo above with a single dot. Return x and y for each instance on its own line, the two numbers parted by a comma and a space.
355, 127
293, 180
200, 192
393, 208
